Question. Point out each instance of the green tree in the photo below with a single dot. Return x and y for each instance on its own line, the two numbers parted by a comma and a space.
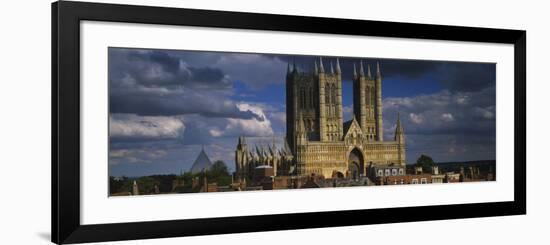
147, 184
219, 173
165, 181
117, 184
219, 168
426, 162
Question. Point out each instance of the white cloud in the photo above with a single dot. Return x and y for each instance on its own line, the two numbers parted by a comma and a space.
487, 113
444, 112
418, 119
154, 127
260, 126
135, 155
447, 117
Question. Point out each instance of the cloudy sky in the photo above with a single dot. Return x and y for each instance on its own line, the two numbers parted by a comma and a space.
165, 105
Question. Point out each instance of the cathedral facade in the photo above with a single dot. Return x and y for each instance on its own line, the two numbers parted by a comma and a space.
317, 140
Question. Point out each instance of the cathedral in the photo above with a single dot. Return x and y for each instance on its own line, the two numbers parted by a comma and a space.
318, 141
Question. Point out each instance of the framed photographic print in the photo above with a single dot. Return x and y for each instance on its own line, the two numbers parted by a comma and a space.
176, 122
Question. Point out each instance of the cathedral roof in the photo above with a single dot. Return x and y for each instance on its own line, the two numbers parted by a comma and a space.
347, 124
351, 124
201, 163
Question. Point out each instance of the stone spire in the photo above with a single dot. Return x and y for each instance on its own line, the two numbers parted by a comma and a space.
272, 147
242, 143
302, 138
316, 67
295, 69
354, 71
368, 71
361, 71
321, 68
265, 150
331, 68
251, 154
398, 127
135, 189
258, 151
288, 71
301, 126
338, 66
399, 132
378, 109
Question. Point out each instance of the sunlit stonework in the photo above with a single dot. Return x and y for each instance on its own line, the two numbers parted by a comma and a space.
318, 141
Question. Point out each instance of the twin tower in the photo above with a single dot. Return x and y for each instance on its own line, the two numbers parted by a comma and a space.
314, 102
318, 141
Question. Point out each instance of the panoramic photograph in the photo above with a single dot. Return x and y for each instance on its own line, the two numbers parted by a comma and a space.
185, 121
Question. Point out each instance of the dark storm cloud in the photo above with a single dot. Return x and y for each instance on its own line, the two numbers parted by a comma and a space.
454, 76
156, 83
169, 103
467, 76
167, 62
160, 69
160, 103
207, 75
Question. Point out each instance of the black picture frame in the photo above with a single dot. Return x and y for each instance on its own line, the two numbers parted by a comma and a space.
65, 201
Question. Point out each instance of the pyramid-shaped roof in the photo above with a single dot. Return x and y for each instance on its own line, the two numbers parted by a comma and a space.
201, 163
351, 125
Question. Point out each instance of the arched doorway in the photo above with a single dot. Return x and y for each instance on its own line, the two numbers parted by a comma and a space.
355, 163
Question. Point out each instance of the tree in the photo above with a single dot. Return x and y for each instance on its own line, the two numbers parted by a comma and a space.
117, 184
219, 168
219, 173
146, 184
426, 162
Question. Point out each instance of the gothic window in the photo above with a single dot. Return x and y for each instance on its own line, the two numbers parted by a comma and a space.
372, 97
327, 94
310, 98
333, 94
334, 100
368, 95
315, 99
302, 98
